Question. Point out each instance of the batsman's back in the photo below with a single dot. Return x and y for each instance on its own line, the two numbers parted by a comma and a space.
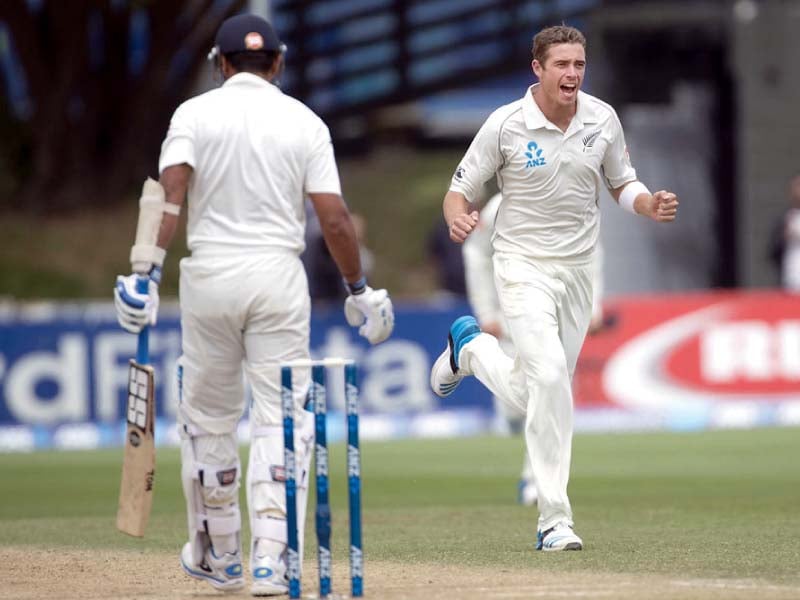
257, 152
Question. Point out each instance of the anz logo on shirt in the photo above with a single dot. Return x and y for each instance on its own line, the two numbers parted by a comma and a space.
534, 154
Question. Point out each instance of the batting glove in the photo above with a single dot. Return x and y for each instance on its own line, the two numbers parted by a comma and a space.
136, 310
371, 311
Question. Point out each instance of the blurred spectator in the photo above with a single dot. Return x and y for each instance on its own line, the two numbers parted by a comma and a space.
447, 260
598, 321
785, 241
324, 280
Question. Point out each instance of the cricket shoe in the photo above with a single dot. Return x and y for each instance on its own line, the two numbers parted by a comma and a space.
559, 537
269, 576
526, 493
445, 374
223, 572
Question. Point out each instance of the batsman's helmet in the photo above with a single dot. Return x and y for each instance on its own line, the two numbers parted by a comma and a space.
245, 33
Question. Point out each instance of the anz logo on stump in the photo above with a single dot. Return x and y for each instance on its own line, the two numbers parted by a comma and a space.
534, 154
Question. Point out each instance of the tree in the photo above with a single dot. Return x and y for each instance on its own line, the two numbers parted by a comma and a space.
90, 87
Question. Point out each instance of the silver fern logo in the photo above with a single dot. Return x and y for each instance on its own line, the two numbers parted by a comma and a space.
588, 141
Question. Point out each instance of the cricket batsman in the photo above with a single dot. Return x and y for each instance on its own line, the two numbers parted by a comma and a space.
245, 156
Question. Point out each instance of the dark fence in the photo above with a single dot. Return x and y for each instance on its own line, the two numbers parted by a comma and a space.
349, 57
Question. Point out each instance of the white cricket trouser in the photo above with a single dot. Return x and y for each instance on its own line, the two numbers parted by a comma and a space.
512, 416
509, 413
247, 309
547, 305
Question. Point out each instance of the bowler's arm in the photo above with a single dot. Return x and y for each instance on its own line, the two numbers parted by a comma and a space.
661, 206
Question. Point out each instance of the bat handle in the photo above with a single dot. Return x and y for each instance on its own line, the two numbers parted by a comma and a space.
143, 345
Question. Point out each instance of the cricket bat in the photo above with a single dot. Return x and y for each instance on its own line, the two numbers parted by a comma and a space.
139, 461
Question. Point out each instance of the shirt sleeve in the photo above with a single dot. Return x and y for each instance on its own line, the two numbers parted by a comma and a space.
617, 167
481, 161
322, 176
179, 145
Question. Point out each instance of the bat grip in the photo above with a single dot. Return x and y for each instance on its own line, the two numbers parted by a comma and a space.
143, 345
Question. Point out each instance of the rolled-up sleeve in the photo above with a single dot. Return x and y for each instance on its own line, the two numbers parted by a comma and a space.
617, 167
322, 175
481, 161
179, 145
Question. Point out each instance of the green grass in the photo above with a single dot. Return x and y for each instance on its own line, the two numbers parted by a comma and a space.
705, 505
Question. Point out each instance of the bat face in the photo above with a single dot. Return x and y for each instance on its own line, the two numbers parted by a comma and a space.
138, 466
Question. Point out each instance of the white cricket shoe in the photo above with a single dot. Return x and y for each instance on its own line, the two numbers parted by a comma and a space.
269, 575
223, 572
527, 495
445, 374
559, 537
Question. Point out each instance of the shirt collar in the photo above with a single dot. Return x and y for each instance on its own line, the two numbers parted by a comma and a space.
586, 113
535, 119
248, 79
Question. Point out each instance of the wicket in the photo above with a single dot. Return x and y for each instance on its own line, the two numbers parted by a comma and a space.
317, 398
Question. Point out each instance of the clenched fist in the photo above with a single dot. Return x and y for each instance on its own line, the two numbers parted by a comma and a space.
663, 206
463, 225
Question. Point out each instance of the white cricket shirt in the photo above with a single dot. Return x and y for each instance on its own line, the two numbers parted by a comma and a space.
255, 153
550, 180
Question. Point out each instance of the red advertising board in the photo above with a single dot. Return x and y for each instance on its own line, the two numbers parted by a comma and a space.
725, 355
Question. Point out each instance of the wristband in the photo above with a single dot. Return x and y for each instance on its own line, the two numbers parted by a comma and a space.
628, 196
357, 287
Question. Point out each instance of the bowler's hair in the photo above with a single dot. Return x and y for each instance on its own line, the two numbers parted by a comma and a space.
558, 34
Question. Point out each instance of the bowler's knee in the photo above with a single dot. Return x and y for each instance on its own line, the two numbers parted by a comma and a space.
552, 373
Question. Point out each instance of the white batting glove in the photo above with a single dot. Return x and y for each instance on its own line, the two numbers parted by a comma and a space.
372, 312
134, 309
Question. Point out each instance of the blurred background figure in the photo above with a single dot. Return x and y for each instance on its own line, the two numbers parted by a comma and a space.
784, 247
598, 320
324, 281
448, 262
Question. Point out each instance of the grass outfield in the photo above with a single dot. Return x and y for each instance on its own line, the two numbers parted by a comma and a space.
716, 506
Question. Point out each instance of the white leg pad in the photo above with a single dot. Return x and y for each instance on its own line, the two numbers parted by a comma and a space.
270, 528
269, 538
210, 472
266, 490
